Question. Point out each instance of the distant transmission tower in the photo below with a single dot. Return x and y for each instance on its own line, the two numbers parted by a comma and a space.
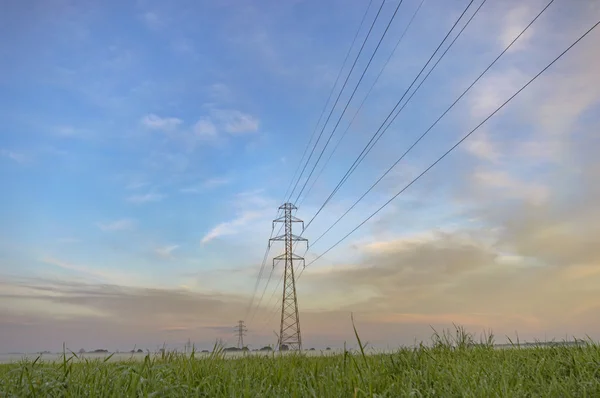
289, 332
241, 330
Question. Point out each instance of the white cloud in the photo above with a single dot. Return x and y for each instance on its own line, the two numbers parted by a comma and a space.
236, 122
534, 193
155, 122
220, 92
51, 150
514, 22
207, 185
166, 252
216, 182
204, 128
190, 190
183, 46
118, 225
136, 185
15, 156
152, 19
70, 132
483, 148
254, 199
149, 197
575, 88
68, 240
252, 207
400, 244
231, 227
493, 90
95, 273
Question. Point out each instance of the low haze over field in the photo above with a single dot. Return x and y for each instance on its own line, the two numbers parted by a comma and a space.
146, 146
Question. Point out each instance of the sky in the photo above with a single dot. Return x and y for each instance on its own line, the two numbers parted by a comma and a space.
146, 146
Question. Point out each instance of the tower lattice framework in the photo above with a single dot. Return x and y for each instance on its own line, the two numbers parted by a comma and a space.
240, 331
289, 331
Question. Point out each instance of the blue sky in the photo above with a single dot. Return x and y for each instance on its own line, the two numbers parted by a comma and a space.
146, 146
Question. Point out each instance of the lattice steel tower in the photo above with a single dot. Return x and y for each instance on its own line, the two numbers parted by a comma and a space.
240, 330
289, 332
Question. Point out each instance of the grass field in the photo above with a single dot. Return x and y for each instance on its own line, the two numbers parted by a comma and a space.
449, 367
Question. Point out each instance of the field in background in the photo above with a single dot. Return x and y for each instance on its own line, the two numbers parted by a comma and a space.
452, 366
123, 356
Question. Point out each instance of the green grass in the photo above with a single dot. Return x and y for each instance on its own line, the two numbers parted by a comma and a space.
453, 366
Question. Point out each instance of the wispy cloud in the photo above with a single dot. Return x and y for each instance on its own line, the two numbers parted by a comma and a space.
15, 156
204, 128
71, 132
91, 272
231, 227
146, 198
153, 20
68, 240
236, 122
117, 225
190, 190
166, 124
210, 128
216, 182
514, 22
507, 185
483, 148
183, 46
136, 185
220, 92
166, 251
250, 207
58, 305
207, 185
253, 199
493, 90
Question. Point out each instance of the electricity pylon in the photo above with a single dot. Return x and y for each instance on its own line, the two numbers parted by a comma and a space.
241, 330
289, 332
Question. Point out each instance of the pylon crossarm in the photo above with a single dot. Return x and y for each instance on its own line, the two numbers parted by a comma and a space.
298, 238
288, 207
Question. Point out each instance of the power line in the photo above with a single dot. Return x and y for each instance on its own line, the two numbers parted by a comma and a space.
352, 95
262, 295
459, 142
360, 156
269, 279
349, 100
437, 120
361, 104
260, 272
337, 99
372, 143
304, 154
273, 310
257, 283
368, 147
380, 72
328, 98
